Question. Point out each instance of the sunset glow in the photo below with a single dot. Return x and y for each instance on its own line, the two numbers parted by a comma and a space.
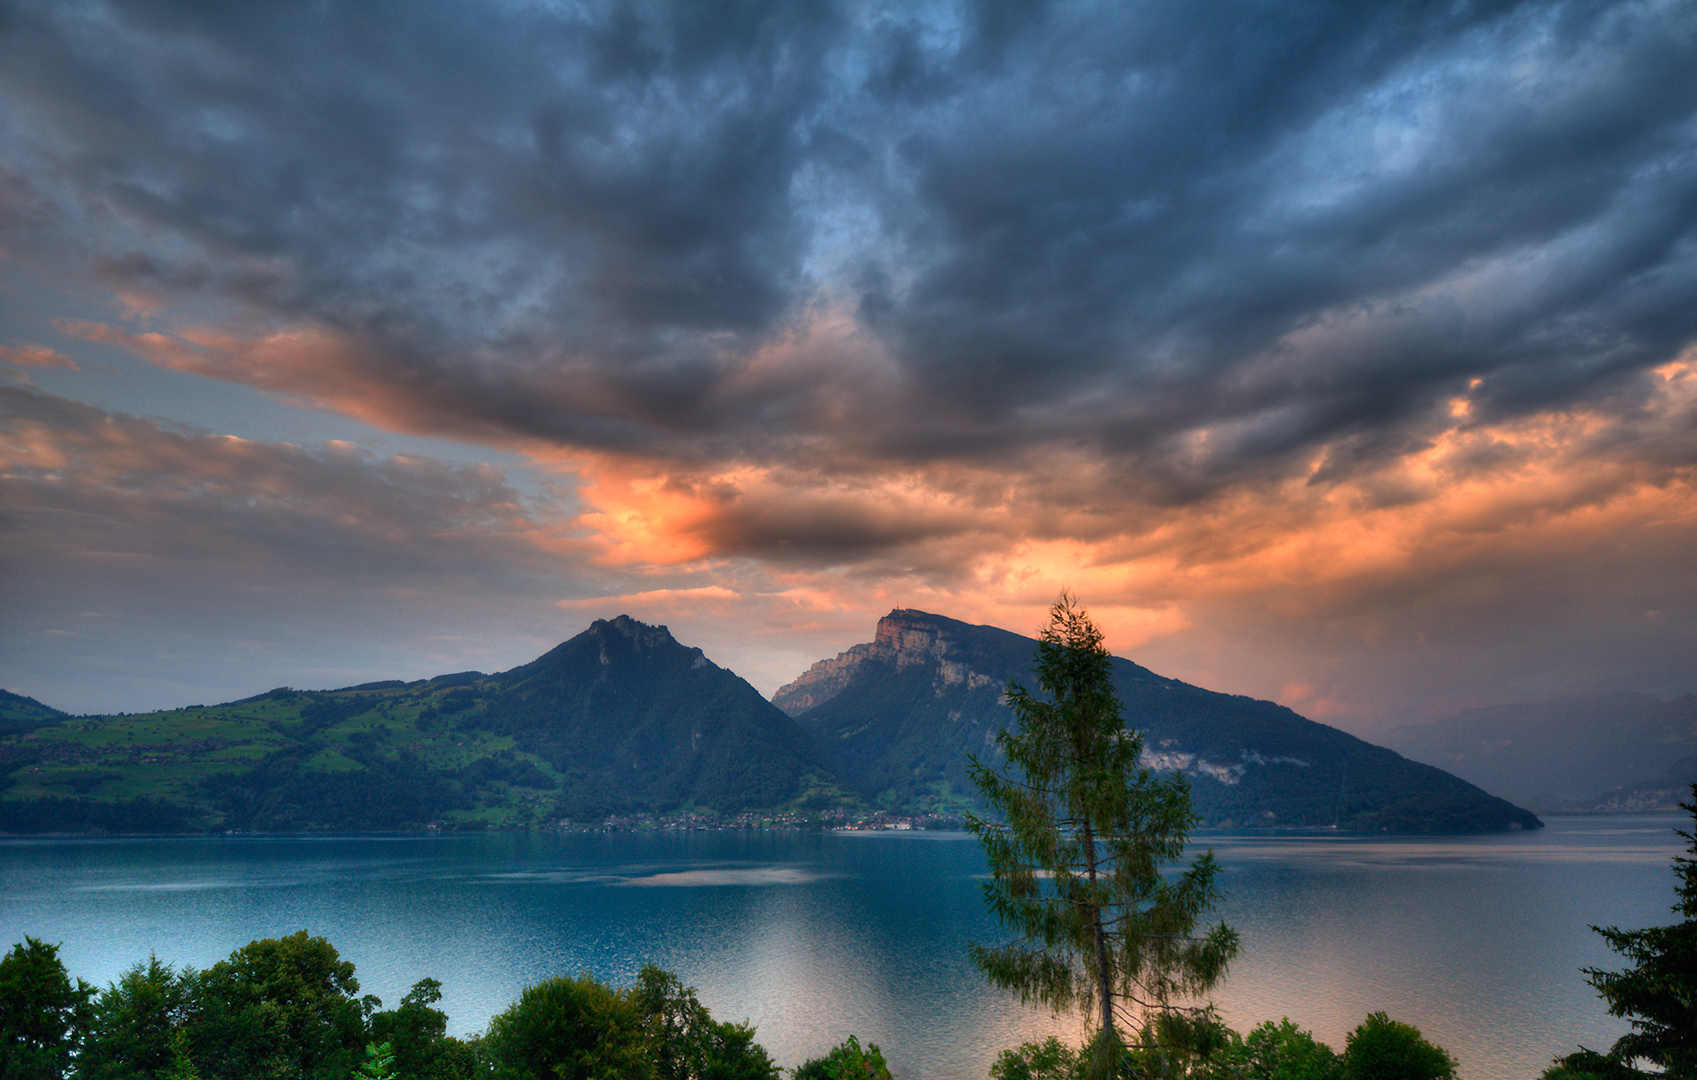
1346, 358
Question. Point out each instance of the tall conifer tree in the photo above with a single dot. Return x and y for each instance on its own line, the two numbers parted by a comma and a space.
1079, 843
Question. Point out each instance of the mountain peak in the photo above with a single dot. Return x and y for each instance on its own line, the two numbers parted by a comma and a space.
905, 631
905, 638
910, 637
639, 634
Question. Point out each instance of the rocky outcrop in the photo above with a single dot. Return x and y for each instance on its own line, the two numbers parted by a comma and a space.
904, 639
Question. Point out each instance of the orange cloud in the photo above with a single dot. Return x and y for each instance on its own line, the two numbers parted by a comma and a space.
31, 355
804, 538
995, 547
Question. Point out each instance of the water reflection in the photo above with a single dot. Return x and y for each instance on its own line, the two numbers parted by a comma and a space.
1478, 940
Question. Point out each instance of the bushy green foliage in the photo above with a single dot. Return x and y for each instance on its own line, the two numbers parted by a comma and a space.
278, 1009
846, 1061
570, 1029
1282, 1051
379, 1063
1385, 1049
1050, 1059
286, 1008
1378, 1049
1079, 850
417, 1033
42, 1013
687, 1043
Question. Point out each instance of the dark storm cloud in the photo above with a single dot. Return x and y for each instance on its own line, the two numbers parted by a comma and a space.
1206, 242
1188, 193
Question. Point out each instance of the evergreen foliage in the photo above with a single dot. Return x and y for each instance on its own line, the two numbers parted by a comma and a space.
1079, 855
137, 1024
1658, 992
42, 1013
1589, 1065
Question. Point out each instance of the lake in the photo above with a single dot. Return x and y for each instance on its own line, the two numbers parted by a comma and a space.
1477, 940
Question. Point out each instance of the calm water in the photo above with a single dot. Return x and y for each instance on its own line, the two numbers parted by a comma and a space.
1478, 941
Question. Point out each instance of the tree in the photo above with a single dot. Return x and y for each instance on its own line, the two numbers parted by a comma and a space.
137, 1028
846, 1061
685, 1040
1080, 853
1050, 1059
417, 1033
570, 1029
1280, 1051
1590, 1065
379, 1063
1385, 1049
1658, 993
42, 1013
279, 1009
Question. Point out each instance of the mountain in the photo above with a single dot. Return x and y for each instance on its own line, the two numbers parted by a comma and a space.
624, 707
904, 711
621, 719
19, 713
1663, 795
1562, 754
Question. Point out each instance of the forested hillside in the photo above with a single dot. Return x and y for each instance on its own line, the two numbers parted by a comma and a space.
624, 720
621, 719
905, 710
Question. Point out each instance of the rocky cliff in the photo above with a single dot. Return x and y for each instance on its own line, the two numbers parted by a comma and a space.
904, 639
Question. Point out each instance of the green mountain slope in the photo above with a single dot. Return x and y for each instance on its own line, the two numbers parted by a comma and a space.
641, 721
904, 711
19, 713
622, 718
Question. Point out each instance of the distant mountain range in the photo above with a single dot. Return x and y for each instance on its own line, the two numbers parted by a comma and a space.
905, 710
625, 719
1585, 752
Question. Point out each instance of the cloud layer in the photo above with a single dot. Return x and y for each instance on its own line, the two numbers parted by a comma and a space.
1266, 324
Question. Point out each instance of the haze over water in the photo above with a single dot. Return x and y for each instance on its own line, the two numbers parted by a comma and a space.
1477, 940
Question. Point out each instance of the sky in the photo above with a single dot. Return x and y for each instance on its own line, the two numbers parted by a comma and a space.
1339, 354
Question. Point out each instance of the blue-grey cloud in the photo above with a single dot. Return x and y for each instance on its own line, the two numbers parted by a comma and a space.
1113, 225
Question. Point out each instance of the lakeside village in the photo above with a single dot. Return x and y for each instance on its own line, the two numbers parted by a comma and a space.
835, 820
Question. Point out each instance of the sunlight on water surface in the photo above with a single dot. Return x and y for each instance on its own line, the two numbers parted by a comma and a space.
1478, 941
